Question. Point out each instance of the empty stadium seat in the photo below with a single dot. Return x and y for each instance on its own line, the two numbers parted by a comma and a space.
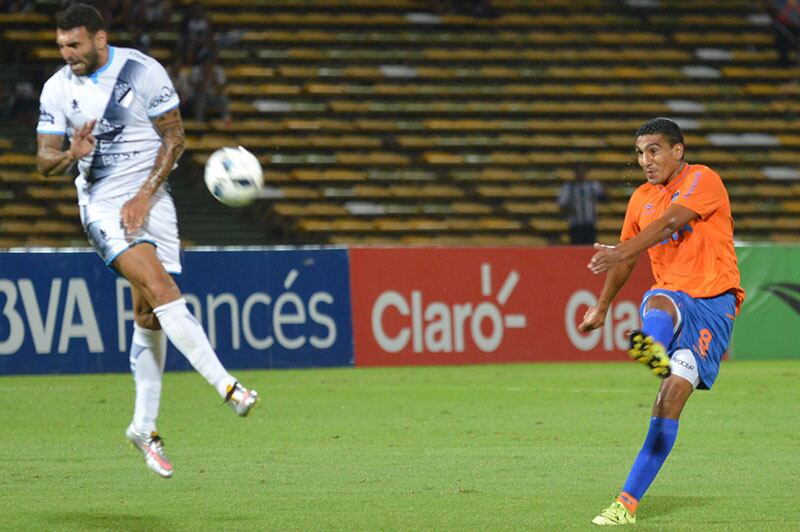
382, 121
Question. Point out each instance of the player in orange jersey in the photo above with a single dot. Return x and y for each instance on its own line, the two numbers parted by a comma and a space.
682, 217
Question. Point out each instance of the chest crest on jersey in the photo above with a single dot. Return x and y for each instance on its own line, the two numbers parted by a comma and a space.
123, 93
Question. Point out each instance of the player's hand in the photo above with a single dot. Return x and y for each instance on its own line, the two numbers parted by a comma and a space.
604, 259
594, 318
83, 142
134, 212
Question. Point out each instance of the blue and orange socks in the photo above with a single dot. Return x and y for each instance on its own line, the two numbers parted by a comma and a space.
628, 502
660, 439
658, 324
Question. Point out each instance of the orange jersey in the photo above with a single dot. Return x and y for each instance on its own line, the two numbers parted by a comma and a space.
698, 258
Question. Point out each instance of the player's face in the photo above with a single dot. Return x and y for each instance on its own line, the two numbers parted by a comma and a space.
660, 161
80, 49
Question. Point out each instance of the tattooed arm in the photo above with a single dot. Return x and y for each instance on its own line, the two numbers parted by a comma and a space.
170, 127
50, 160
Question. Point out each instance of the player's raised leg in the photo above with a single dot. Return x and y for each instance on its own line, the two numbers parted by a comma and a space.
141, 267
649, 345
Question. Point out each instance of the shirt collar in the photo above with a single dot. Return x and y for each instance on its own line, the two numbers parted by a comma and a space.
94, 75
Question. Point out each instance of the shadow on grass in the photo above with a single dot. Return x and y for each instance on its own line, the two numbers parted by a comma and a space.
667, 504
110, 520
103, 520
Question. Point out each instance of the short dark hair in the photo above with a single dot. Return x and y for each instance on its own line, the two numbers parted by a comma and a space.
78, 15
662, 126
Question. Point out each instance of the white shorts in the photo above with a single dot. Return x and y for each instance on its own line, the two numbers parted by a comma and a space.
683, 364
103, 225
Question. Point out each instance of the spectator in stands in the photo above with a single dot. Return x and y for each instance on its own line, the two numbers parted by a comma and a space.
197, 35
786, 24
147, 16
578, 199
183, 86
152, 13
474, 8
16, 6
208, 87
24, 100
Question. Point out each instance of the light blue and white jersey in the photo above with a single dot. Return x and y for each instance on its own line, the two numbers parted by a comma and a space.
123, 95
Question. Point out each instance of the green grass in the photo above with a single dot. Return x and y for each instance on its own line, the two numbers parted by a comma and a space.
534, 447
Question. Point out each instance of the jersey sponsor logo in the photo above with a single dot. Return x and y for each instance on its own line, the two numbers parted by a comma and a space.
45, 117
677, 236
109, 136
110, 159
164, 95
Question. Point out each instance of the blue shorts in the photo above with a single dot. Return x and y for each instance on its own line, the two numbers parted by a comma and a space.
704, 327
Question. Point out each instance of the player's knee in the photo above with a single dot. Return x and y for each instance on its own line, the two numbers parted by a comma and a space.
672, 397
161, 291
664, 303
148, 320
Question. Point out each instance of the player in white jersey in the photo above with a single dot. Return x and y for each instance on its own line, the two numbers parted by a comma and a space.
120, 111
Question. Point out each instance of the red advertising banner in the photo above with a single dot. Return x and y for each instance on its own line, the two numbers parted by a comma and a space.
423, 306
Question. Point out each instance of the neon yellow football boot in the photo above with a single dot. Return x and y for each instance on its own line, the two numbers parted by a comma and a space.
646, 350
616, 514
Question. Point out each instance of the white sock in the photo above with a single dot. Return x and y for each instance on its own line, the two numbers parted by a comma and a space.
148, 354
188, 336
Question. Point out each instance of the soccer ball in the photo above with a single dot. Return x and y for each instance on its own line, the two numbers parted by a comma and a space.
234, 176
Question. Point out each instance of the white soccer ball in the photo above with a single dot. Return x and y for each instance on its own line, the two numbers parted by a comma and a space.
234, 176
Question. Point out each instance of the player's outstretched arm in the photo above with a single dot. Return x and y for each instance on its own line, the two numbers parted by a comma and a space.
675, 217
173, 141
595, 316
50, 160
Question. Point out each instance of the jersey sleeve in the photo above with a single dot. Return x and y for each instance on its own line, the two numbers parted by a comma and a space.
51, 117
705, 193
630, 226
159, 94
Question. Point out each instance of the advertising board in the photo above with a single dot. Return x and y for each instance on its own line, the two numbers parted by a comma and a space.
66, 312
416, 306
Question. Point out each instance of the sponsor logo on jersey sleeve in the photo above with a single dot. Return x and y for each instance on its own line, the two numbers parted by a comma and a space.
164, 95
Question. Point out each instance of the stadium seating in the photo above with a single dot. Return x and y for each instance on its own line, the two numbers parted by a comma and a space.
386, 121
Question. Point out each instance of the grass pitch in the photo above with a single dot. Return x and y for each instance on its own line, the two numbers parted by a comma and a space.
514, 447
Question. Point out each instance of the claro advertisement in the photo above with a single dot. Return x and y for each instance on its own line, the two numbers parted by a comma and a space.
483, 305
